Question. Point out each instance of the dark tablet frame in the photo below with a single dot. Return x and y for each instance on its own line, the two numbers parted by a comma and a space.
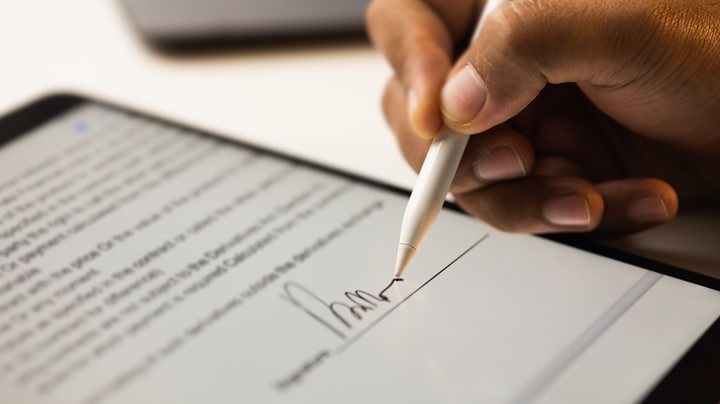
695, 378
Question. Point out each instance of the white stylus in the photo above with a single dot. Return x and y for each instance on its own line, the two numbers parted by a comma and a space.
436, 174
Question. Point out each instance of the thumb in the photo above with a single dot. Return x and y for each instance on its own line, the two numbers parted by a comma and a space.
526, 44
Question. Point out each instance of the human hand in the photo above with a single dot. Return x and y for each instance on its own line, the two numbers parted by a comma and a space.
590, 115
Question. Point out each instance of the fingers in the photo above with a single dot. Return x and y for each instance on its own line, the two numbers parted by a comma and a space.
394, 102
491, 184
526, 44
500, 154
546, 204
418, 38
636, 204
561, 126
537, 205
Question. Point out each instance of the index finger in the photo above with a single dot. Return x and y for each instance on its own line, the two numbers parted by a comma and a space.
418, 39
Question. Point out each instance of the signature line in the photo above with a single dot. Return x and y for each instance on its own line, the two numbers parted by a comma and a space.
362, 332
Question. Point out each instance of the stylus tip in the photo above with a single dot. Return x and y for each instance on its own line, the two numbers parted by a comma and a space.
404, 254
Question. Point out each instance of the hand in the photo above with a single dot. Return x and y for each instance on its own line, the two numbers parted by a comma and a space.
589, 115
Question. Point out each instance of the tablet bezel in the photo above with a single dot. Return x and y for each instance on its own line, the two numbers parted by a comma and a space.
694, 378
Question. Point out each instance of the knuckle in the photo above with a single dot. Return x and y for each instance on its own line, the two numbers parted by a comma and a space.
516, 24
519, 39
532, 31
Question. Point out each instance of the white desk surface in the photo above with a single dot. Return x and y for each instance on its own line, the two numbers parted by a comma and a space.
320, 102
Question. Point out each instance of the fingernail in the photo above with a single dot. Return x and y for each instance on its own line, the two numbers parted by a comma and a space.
464, 95
569, 210
500, 163
648, 210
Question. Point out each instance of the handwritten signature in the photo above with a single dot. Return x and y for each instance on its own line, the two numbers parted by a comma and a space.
336, 316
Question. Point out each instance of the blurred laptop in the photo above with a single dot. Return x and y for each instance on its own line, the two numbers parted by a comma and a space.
192, 23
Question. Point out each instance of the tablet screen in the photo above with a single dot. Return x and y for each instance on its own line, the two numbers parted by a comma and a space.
141, 262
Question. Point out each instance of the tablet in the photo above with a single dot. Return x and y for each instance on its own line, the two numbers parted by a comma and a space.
193, 24
142, 261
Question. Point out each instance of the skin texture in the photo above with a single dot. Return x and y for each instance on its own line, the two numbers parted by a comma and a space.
584, 115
